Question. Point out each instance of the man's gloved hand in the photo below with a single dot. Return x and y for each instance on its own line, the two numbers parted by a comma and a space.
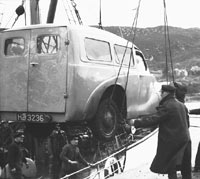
91, 165
13, 170
131, 122
27, 165
73, 162
127, 127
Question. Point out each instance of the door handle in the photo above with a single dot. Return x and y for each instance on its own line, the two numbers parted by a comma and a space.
34, 64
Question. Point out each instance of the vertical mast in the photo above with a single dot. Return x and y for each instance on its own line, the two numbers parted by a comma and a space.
1, 13
34, 12
1, 17
52, 10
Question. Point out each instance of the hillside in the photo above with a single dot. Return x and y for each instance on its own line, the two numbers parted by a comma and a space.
185, 50
185, 43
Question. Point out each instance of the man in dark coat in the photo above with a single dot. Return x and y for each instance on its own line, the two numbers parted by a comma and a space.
173, 136
16, 156
180, 93
197, 158
56, 141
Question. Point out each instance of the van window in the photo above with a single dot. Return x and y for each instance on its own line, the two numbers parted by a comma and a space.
97, 50
119, 52
14, 46
48, 44
140, 61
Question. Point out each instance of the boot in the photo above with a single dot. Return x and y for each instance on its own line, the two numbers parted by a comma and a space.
196, 169
172, 175
187, 177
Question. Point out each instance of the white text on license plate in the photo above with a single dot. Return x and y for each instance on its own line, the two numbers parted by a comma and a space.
30, 117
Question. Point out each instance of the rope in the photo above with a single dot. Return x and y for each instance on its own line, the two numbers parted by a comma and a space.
100, 22
166, 59
76, 12
66, 11
10, 19
25, 13
134, 25
167, 39
133, 29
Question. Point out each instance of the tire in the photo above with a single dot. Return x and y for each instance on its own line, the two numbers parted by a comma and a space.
106, 120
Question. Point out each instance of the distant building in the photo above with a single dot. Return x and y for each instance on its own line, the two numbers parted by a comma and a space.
195, 70
180, 72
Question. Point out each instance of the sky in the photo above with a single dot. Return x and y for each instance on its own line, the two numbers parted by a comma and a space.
180, 13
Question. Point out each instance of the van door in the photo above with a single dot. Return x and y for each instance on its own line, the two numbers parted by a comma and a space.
148, 99
14, 59
47, 74
130, 76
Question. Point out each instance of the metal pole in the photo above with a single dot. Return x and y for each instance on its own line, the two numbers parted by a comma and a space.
52, 10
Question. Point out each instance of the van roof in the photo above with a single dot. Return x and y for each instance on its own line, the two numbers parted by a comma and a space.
35, 26
80, 29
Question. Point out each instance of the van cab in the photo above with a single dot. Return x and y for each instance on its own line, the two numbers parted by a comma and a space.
57, 73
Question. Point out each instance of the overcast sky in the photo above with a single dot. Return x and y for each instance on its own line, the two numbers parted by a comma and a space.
180, 13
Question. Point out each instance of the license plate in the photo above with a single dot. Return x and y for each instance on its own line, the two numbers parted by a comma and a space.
33, 117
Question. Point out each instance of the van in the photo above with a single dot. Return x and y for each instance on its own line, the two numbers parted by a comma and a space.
73, 74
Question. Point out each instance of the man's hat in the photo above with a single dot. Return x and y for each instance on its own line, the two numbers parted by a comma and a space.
57, 125
18, 133
168, 88
181, 91
180, 87
75, 137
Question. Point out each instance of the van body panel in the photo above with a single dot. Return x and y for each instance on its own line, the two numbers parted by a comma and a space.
34, 82
47, 75
67, 84
14, 73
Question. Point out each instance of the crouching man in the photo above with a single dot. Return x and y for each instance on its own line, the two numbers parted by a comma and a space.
71, 158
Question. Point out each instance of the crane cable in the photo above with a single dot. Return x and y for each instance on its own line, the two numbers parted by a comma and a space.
66, 11
76, 12
133, 29
167, 40
100, 21
19, 11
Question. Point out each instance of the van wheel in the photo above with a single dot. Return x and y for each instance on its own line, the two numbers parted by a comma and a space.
106, 120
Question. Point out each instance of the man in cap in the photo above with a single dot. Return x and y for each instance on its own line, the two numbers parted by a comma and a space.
173, 136
5, 140
197, 157
16, 156
56, 141
181, 91
72, 158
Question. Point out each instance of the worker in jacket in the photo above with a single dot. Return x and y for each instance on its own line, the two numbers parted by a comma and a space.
173, 136
72, 159
56, 142
181, 91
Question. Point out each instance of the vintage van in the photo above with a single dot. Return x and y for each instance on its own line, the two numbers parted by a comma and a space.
73, 75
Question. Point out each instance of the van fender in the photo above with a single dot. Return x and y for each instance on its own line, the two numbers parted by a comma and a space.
96, 96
